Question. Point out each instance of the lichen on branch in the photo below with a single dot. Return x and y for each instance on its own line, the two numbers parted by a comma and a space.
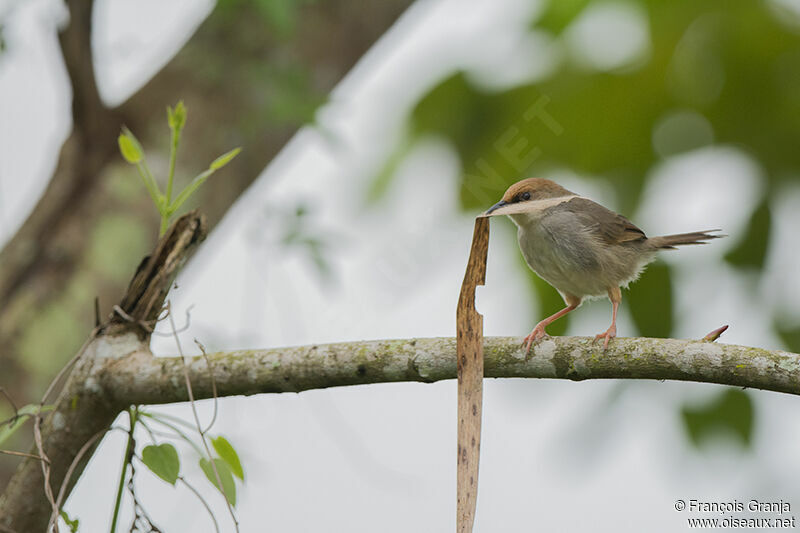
142, 379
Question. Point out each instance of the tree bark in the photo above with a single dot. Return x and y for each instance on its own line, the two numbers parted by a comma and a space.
140, 378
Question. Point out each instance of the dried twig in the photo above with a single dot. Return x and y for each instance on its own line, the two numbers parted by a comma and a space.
186, 324
199, 426
146, 325
45, 462
23, 454
213, 385
202, 500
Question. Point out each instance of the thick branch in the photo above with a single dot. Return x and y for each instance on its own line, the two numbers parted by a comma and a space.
143, 379
85, 408
117, 370
76, 44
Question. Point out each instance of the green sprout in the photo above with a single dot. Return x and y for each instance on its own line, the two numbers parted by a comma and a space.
132, 152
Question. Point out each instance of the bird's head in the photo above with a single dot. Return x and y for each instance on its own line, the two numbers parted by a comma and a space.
524, 196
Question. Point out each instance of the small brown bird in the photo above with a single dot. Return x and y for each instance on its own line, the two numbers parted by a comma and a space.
579, 247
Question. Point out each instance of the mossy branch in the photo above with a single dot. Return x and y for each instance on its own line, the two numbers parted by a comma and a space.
143, 379
117, 370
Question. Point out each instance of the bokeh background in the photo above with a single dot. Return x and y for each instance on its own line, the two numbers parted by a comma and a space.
373, 133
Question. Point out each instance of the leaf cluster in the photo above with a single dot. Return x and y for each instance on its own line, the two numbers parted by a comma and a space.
163, 460
133, 153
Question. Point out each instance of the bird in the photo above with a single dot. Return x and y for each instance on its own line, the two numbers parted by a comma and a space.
580, 248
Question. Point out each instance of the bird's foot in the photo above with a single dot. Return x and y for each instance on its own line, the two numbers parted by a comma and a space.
535, 336
608, 334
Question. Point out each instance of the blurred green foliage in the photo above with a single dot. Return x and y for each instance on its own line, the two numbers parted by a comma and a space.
752, 249
790, 337
123, 185
118, 243
730, 414
41, 353
601, 123
280, 15
718, 71
651, 301
266, 57
290, 98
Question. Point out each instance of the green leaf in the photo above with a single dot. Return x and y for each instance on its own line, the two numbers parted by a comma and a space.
25, 412
163, 461
224, 159
201, 178
129, 147
229, 455
559, 14
228, 486
650, 301
72, 524
188, 191
176, 118
752, 250
729, 414
790, 336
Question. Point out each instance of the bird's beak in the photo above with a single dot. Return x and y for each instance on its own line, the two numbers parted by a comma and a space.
495, 207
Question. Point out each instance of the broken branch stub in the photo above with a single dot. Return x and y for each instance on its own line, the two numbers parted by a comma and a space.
469, 352
145, 296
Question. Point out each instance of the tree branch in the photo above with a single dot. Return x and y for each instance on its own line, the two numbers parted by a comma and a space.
232, 75
118, 370
85, 409
140, 378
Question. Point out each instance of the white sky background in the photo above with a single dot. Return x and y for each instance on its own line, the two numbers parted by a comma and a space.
556, 456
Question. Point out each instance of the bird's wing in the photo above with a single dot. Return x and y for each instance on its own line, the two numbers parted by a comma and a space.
605, 224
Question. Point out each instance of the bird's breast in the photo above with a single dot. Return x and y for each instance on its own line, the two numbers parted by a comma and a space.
562, 255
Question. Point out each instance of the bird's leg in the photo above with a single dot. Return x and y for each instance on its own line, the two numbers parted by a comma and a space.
615, 295
539, 333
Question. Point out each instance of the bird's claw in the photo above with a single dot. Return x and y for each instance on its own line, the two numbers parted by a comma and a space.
608, 334
534, 337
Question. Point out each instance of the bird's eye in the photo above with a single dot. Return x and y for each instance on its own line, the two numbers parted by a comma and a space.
525, 196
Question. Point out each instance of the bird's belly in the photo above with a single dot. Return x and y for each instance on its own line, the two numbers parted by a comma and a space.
564, 263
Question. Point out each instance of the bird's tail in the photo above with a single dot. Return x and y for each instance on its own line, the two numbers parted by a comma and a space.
668, 242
